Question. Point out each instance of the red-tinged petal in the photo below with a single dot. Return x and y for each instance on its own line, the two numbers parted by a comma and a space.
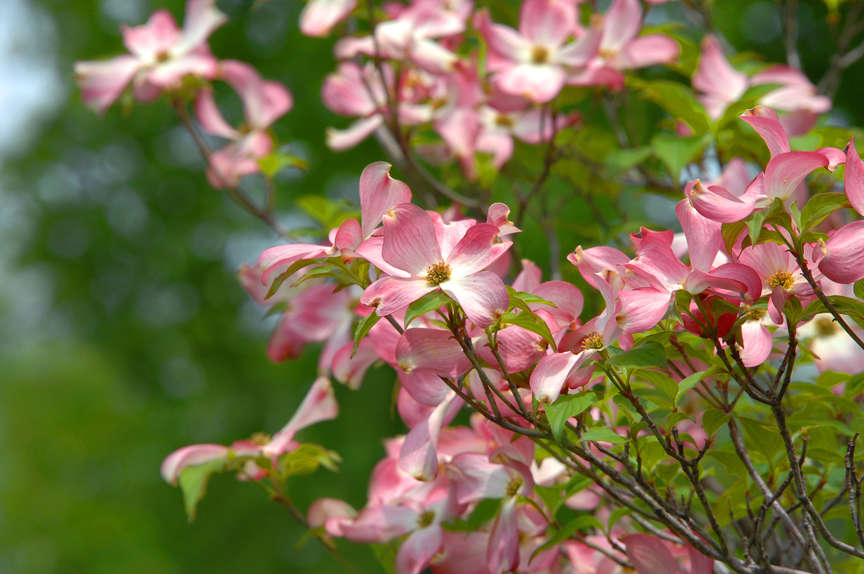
551, 373
380, 523
699, 563
482, 296
621, 24
548, 22
318, 405
538, 83
330, 513
650, 555
756, 342
704, 236
344, 92
786, 171
370, 250
844, 258
641, 309
567, 298
419, 454
286, 342
505, 44
647, 51
349, 235
355, 133
477, 249
746, 280
210, 117
766, 123
264, 102
498, 215
425, 386
202, 18
434, 349
498, 143
102, 82
459, 129
156, 37
391, 294
319, 16
190, 456
835, 156
409, 239
716, 77
718, 204
419, 549
275, 260
502, 554
477, 478
349, 366
529, 278
854, 177
379, 193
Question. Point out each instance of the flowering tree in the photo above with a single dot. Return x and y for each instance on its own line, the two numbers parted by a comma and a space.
666, 401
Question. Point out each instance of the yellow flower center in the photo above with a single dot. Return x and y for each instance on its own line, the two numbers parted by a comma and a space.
781, 279
260, 438
539, 54
514, 486
437, 273
825, 327
425, 519
503, 121
593, 341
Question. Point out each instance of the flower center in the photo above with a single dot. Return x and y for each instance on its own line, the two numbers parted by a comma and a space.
425, 519
163, 56
825, 327
437, 273
513, 486
593, 341
781, 279
539, 54
259, 438
503, 120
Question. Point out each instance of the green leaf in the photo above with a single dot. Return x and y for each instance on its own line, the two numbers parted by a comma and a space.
306, 459
678, 100
485, 510
428, 302
747, 100
848, 306
531, 322
858, 288
566, 407
193, 483
623, 159
821, 206
291, 270
527, 298
386, 555
712, 420
603, 434
363, 328
691, 381
583, 522
731, 232
651, 354
676, 151
275, 162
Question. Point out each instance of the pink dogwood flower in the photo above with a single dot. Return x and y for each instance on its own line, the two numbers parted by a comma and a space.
161, 55
320, 16
264, 102
454, 262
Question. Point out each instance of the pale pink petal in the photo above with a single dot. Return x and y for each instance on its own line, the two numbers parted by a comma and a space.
548, 22
641, 309
518, 347
330, 513
370, 250
505, 45
379, 193
786, 171
502, 554
498, 143
538, 83
264, 102
425, 385
529, 278
551, 373
430, 56
319, 16
191, 455
210, 117
318, 405
716, 77
348, 235
459, 129
567, 298
718, 204
202, 18
621, 24
476, 477
102, 82
746, 280
647, 51
275, 260
844, 258
169, 75
477, 249
854, 177
799, 122
704, 237
237, 160
419, 454
649, 554
344, 92
391, 294
498, 215
380, 523
357, 132
581, 52
153, 39
768, 126
433, 349
482, 296
409, 239
756, 343
419, 549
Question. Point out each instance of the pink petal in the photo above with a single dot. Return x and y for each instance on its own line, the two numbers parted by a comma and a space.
716, 77
505, 44
357, 132
649, 555
552, 372
379, 193
699, 563
768, 126
647, 51
380, 523
621, 24
391, 294
718, 204
275, 260
529, 278
264, 102
581, 52
641, 309
102, 82
202, 18
502, 554
319, 16
756, 342
518, 347
191, 455
476, 477
844, 258
330, 513
348, 235
704, 237
538, 83
318, 405
210, 117
482, 296
419, 549
344, 92
746, 280
567, 298
409, 239
419, 454
170, 74
154, 38
786, 171
425, 386
433, 349
854, 177
239, 159
548, 22
477, 249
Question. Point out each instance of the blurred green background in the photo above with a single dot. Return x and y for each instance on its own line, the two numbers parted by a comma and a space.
123, 332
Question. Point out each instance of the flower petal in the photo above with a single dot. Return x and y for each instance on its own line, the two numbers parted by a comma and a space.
379, 193
318, 405
409, 239
482, 296
477, 249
